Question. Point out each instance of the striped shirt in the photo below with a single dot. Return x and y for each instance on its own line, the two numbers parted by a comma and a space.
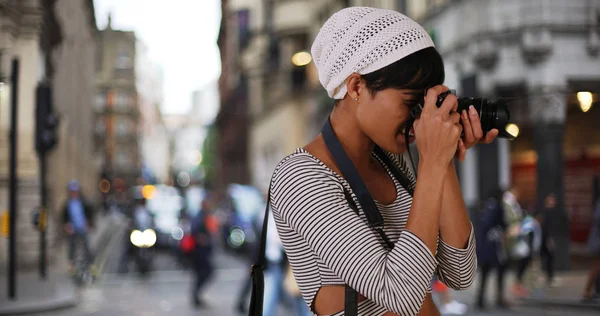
328, 243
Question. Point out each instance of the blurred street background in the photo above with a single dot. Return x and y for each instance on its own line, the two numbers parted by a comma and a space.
138, 137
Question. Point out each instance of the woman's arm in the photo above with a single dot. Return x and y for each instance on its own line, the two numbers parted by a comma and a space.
456, 251
312, 203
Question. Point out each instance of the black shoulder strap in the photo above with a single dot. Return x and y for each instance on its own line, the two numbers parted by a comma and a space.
257, 271
351, 175
365, 199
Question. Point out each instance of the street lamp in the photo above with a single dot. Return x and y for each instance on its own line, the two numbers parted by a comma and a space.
301, 59
585, 100
513, 129
195, 157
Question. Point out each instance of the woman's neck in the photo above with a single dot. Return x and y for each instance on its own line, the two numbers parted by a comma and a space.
356, 144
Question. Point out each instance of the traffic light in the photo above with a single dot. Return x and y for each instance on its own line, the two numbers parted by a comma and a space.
46, 133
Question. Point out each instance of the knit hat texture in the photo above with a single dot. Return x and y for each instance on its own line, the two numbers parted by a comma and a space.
363, 40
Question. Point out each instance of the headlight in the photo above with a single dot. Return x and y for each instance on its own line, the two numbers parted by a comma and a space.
236, 237
177, 233
145, 239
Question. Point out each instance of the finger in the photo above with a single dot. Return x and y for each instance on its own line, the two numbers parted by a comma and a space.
467, 128
454, 117
462, 150
417, 122
455, 107
490, 136
475, 123
450, 102
431, 97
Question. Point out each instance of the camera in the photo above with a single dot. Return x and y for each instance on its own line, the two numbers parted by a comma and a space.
492, 114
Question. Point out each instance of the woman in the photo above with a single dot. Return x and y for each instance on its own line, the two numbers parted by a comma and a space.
376, 64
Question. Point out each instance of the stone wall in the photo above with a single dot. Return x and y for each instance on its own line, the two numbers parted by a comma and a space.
72, 80
73, 83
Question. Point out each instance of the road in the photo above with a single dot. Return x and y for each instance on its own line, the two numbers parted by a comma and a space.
166, 292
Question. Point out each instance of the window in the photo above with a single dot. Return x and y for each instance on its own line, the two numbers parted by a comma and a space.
100, 126
123, 60
122, 100
401, 6
123, 158
100, 101
243, 28
124, 127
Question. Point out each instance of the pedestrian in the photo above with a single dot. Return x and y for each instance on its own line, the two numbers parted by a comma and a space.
547, 250
594, 248
514, 215
378, 65
275, 271
78, 221
491, 248
202, 254
530, 240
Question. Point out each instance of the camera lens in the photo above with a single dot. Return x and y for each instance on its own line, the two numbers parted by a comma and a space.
492, 114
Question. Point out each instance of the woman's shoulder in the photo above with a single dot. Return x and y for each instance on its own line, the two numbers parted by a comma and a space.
299, 170
299, 163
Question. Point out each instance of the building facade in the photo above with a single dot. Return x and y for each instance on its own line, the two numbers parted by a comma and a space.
117, 121
232, 122
154, 138
55, 43
541, 54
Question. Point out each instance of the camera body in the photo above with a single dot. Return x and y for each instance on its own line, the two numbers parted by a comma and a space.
492, 114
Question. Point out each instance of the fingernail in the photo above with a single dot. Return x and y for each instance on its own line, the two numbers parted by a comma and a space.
464, 113
472, 110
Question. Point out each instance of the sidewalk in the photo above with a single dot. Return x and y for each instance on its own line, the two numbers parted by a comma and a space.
35, 295
567, 293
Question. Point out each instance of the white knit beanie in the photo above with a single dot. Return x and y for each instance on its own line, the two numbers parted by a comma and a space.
363, 40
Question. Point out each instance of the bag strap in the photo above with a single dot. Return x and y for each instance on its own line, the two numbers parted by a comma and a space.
351, 175
257, 271
365, 199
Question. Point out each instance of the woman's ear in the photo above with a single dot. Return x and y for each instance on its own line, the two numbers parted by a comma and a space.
353, 85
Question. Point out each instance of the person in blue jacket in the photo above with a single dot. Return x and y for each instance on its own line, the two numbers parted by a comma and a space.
491, 253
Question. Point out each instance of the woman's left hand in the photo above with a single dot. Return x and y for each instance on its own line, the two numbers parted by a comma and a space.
473, 133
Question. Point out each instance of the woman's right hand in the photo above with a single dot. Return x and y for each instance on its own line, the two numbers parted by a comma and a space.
438, 130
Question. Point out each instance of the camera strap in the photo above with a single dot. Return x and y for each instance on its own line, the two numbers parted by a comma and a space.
257, 270
365, 199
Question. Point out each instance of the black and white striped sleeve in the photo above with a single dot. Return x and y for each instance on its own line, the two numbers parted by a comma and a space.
311, 201
457, 267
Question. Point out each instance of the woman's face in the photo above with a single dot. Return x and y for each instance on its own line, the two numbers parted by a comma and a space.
382, 116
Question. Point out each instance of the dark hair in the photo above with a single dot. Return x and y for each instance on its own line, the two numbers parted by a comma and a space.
420, 70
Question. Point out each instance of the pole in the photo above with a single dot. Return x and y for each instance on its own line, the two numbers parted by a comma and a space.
41, 115
43, 214
12, 245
